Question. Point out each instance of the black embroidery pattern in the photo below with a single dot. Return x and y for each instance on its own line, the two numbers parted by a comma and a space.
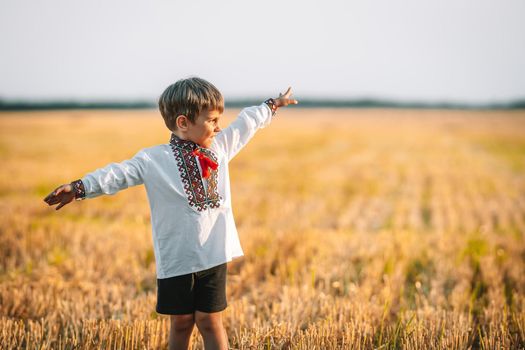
198, 197
271, 103
78, 188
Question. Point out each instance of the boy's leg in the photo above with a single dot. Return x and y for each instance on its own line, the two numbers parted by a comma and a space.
210, 301
180, 331
175, 297
212, 330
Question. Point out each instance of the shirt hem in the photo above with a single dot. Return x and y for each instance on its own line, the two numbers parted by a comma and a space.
209, 266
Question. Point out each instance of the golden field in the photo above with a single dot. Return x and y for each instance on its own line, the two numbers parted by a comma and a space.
362, 229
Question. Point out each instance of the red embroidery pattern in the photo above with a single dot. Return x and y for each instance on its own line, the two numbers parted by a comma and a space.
206, 163
198, 196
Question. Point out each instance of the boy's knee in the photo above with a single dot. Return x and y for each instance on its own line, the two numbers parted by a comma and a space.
208, 322
182, 323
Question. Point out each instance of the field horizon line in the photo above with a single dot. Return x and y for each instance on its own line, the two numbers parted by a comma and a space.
27, 105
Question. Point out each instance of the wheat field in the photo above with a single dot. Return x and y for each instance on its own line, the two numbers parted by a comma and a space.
362, 229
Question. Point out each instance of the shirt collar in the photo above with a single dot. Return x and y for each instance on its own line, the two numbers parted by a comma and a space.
184, 144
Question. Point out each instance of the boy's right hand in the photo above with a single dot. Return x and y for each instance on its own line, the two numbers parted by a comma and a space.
63, 194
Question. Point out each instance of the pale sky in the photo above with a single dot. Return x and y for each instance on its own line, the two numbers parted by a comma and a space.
413, 50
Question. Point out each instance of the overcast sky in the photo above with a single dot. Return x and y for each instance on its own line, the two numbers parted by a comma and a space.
453, 50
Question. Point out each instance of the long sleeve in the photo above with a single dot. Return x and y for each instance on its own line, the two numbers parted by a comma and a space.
232, 139
116, 176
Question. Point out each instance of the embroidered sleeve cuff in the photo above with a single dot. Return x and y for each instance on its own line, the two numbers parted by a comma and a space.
271, 104
78, 188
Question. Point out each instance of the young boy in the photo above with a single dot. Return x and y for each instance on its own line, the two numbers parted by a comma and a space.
188, 188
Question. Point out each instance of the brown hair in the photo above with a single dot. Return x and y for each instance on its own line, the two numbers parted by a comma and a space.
189, 97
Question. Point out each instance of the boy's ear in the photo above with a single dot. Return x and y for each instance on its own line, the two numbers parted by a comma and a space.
182, 122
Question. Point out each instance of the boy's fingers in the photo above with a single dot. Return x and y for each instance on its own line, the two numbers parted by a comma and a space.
50, 200
51, 195
53, 201
291, 101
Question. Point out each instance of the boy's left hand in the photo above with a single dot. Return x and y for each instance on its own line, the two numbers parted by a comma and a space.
285, 100
62, 195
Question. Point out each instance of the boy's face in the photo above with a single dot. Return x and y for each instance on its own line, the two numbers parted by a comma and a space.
205, 128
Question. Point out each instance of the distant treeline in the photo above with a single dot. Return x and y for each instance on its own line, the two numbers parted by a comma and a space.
239, 103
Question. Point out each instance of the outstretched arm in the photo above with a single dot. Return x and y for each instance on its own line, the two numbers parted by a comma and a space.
232, 139
107, 180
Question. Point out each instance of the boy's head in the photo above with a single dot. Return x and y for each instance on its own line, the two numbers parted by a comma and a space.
189, 98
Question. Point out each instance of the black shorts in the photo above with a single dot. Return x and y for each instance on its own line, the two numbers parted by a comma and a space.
199, 291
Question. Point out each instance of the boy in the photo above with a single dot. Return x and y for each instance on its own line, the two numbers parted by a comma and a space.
188, 188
